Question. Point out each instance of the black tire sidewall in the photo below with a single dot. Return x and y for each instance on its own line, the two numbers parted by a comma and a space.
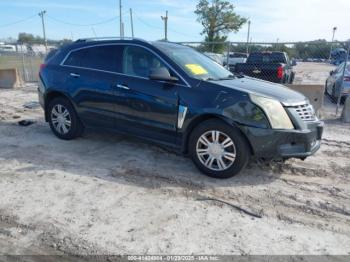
242, 149
76, 127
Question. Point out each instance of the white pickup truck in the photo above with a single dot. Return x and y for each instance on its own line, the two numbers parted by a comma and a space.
235, 58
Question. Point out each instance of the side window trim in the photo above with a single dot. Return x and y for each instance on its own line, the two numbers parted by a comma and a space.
123, 44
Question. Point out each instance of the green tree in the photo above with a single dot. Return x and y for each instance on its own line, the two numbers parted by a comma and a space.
218, 20
25, 38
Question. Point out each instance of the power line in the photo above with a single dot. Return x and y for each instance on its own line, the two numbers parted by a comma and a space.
159, 28
146, 23
87, 25
19, 21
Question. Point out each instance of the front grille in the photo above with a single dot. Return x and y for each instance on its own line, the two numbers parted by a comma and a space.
306, 112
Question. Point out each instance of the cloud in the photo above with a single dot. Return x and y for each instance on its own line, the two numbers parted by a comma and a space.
296, 20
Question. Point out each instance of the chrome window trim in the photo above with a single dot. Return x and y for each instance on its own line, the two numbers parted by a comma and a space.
287, 104
125, 44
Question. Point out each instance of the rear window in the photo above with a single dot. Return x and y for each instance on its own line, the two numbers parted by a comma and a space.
51, 54
267, 58
238, 55
106, 58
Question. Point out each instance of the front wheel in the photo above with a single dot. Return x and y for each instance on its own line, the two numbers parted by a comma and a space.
218, 149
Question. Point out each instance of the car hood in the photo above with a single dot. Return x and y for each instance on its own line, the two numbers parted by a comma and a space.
259, 87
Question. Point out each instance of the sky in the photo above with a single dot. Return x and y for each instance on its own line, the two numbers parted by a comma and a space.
285, 20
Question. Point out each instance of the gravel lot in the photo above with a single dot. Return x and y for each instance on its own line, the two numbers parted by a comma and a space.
110, 194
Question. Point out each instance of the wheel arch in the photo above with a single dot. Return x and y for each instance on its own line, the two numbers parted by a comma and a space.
200, 119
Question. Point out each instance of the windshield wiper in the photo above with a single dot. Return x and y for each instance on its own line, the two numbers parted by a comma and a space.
229, 77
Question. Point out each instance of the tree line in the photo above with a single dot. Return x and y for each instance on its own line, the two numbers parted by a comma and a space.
30, 39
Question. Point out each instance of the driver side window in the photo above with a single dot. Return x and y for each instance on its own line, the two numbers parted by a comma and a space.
138, 61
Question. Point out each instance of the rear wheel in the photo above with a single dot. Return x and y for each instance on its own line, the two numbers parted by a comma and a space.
63, 119
218, 149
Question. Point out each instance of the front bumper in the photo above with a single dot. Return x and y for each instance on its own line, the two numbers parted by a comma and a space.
284, 144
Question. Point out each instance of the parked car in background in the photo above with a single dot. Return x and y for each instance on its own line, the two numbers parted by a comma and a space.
7, 48
271, 66
235, 58
338, 56
335, 86
173, 95
218, 58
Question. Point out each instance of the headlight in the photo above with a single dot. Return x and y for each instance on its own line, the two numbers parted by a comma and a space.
274, 111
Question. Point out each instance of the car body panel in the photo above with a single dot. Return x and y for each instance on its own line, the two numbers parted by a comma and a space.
167, 112
335, 84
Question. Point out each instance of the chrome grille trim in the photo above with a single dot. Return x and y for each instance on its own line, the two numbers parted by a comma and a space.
306, 112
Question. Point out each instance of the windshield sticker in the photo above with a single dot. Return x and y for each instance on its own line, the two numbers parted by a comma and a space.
196, 69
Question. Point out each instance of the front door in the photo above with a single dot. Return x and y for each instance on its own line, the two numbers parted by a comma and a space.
146, 107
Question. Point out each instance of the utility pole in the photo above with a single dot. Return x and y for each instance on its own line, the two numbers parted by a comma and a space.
41, 14
248, 37
165, 19
330, 53
132, 23
93, 31
120, 19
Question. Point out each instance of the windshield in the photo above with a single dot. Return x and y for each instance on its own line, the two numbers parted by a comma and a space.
194, 63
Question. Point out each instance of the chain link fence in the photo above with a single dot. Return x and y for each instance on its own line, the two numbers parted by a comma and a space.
297, 63
25, 58
311, 61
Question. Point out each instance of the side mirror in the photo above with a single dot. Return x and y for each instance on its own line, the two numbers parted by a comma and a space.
162, 74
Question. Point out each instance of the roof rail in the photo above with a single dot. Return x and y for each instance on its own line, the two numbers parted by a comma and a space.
108, 38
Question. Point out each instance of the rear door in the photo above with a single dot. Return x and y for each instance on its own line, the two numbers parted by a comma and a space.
146, 107
92, 75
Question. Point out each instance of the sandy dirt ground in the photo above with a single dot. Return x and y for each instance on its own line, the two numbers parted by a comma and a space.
110, 194
312, 73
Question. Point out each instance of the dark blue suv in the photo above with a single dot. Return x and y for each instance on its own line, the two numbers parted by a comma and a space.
173, 95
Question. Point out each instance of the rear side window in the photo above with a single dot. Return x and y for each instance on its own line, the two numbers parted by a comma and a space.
106, 58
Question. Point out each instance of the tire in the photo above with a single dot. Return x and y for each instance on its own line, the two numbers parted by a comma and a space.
292, 76
333, 96
240, 148
60, 111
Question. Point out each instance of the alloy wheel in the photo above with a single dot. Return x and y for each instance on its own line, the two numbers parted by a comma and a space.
216, 150
61, 119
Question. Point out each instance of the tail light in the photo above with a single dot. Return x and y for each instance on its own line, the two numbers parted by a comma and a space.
42, 66
280, 72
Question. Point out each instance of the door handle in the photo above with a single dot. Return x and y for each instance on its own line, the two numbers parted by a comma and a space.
125, 87
74, 75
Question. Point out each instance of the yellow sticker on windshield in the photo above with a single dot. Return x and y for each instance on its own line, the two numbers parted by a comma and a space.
196, 69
